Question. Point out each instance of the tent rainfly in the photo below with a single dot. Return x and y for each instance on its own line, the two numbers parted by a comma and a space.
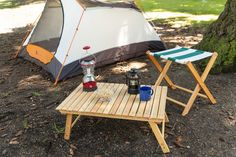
115, 31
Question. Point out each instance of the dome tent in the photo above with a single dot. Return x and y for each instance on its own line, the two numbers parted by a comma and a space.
115, 31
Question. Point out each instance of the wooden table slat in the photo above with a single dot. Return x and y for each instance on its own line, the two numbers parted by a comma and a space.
161, 111
79, 102
89, 100
141, 109
135, 106
77, 96
156, 101
148, 109
118, 100
114, 98
74, 103
129, 105
95, 100
71, 97
123, 104
114, 90
99, 103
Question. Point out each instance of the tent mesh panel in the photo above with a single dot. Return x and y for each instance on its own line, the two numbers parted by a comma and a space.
49, 28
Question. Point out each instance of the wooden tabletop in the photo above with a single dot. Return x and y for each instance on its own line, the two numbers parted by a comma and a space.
121, 105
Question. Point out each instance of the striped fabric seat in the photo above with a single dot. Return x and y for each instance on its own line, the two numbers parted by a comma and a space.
182, 55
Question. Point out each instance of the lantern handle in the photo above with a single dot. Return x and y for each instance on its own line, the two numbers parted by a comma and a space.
86, 48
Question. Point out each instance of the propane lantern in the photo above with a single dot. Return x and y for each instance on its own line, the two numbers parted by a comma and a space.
133, 81
88, 65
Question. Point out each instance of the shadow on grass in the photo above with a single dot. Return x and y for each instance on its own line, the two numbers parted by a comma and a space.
183, 21
4, 4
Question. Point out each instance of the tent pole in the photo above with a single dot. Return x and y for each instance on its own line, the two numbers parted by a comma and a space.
76, 31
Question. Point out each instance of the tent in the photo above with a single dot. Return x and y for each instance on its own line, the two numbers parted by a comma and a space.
115, 31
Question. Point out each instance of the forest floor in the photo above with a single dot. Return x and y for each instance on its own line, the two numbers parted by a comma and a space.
30, 125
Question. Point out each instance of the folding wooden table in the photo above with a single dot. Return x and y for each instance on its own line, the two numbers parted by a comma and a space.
121, 106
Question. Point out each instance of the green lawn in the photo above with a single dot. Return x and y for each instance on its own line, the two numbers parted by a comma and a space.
4, 4
196, 7
183, 12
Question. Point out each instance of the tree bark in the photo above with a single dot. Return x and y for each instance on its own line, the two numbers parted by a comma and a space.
221, 37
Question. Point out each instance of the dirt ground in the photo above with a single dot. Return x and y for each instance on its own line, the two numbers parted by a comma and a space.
30, 125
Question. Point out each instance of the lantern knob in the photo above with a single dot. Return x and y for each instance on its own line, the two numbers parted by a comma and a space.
86, 48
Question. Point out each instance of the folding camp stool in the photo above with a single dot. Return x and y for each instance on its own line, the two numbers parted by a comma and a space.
185, 56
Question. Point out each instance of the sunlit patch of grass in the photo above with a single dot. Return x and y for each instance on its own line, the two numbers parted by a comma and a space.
8, 4
180, 13
181, 20
202, 24
195, 7
15, 3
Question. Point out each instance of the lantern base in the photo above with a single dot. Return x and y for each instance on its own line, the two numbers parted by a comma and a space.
133, 91
89, 89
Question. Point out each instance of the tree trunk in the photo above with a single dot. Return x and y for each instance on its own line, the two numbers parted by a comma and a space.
221, 37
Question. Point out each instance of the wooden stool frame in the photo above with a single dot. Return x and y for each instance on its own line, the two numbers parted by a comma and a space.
199, 79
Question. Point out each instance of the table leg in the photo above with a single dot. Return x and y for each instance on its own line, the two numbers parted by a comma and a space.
159, 137
68, 126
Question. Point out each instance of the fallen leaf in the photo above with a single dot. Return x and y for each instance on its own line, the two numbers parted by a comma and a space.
231, 117
222, 139
73, 147
19, 133
232, 122
127, 142
71, 151
178, 141
14, 141
4, 135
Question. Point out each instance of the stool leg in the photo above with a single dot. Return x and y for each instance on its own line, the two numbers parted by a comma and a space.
160, 69
198, 88
159, 137
163, 73
201, 82
68, 126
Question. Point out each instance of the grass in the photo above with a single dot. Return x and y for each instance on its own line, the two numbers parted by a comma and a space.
183, 12
4, 4
195, 7
25, 123
58, 129
36, 94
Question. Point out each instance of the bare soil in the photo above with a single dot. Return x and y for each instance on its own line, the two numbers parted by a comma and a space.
30, 125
